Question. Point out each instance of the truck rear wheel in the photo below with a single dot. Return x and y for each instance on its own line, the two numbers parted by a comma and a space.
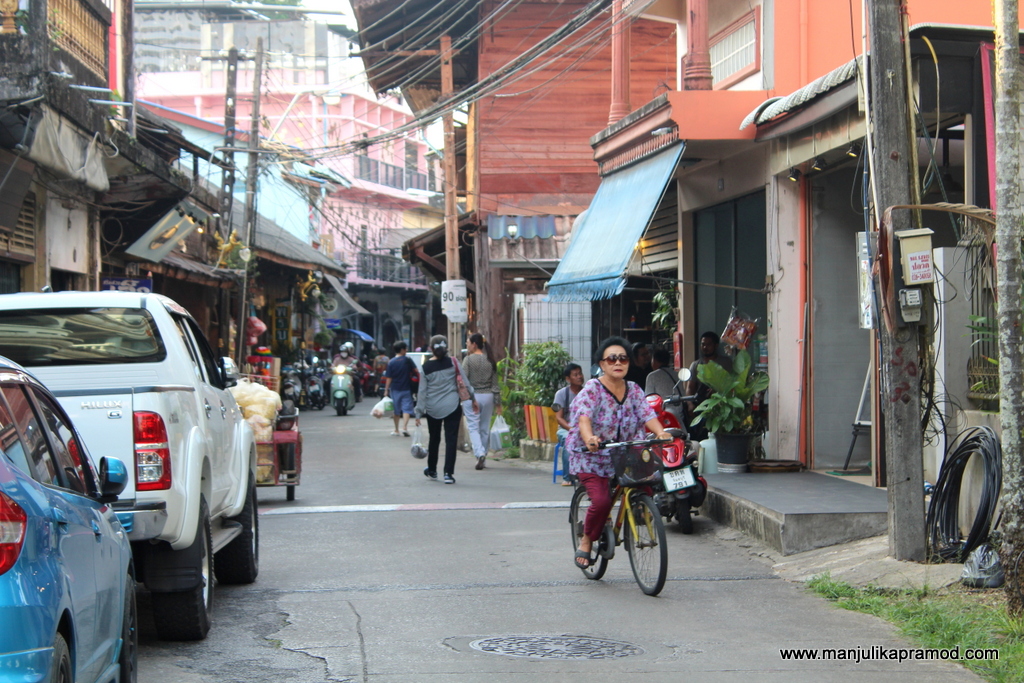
239, 561
185, 615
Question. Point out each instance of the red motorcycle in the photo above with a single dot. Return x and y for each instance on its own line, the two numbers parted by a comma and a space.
681, 490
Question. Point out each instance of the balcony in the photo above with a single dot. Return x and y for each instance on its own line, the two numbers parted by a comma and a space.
383, 173
385, 268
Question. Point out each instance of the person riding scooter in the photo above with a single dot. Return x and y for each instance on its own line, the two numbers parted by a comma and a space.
343, 383
347, 357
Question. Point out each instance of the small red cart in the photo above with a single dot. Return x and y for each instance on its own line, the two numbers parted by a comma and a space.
279, 462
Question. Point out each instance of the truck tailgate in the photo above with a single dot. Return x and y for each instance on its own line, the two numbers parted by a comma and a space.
100, 407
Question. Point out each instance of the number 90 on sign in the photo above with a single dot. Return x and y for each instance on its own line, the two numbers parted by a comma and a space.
454, 304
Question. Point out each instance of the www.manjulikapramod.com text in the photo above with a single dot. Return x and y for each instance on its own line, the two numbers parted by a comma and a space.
878, 653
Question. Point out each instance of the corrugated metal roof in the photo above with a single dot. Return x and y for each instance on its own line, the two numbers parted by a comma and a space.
527, 227
777, 106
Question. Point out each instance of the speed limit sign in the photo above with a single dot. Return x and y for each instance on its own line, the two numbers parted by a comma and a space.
453, 301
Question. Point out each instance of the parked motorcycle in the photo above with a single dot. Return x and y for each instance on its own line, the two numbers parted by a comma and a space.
682, 489
343, 391
291, 386
313, 381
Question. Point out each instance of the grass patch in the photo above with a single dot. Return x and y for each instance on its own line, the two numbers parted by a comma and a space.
951, 617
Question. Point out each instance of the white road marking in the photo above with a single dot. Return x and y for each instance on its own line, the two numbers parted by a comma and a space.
415, 507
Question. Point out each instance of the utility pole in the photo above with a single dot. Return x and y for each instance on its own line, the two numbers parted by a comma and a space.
451, 212
892, 132
1009, 216
227, 187
250, 193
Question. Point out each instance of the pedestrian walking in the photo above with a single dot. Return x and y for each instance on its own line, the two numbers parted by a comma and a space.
609, 408
481, 373
398, 377
440, 403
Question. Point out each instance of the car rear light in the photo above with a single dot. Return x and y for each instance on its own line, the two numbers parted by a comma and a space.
12, 532
152, 453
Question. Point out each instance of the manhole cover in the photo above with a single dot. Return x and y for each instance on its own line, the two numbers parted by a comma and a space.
556, 647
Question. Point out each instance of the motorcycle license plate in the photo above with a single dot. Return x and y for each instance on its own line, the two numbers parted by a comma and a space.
679, 479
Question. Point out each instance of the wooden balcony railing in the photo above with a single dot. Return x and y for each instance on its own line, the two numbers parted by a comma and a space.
73, 26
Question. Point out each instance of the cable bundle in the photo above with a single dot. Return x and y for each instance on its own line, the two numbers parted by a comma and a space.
943, 522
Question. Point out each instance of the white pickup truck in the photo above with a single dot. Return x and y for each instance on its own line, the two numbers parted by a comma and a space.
139, 380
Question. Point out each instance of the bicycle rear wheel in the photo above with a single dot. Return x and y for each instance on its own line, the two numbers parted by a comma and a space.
648, 552
577, 515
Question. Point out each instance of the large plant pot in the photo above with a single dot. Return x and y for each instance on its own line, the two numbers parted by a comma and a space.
733, 452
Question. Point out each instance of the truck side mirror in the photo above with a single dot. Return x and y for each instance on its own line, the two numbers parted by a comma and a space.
228, 372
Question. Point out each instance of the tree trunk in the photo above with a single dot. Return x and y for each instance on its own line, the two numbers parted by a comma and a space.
1008, 281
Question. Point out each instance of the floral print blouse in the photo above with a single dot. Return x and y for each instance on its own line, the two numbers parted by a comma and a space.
610, 420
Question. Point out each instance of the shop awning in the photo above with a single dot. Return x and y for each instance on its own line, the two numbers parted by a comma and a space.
345, 296
594, 266
362, 335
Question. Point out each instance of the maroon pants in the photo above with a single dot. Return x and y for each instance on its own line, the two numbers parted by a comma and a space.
599, 490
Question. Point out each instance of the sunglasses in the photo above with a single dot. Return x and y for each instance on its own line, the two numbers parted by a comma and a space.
621, 359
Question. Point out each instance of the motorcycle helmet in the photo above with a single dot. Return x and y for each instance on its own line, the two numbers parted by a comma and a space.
347, 349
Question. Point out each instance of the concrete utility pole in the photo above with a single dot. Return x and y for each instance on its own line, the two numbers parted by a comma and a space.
451, 182
1009, 219
251, 174
892, 134
227, 188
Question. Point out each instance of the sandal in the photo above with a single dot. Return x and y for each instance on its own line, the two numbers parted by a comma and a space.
582, 555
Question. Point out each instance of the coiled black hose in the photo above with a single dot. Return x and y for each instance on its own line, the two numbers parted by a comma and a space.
943, 522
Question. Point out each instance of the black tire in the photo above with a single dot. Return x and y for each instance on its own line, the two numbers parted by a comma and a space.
128, 660
577, 515
648, 554
60, 672
186, 615
239, 561
685, 519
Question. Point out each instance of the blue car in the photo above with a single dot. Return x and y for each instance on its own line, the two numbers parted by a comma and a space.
67, 588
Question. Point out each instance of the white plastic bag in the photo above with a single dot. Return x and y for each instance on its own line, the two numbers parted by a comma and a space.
383, 407
500, 436
418, 449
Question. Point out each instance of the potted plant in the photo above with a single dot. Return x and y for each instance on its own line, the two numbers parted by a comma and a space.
727, 412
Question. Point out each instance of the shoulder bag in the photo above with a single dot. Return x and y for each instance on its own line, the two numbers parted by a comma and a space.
460, 383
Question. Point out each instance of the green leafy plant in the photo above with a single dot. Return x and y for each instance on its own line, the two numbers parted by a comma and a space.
665, 304
532, 380
728, 409
539, 374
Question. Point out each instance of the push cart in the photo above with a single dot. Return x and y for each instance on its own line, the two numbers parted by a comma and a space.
279, 462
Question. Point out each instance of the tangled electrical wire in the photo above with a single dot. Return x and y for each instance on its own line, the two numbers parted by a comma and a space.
942, 522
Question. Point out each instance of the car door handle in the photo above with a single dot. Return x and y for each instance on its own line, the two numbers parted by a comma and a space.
61, 518
209, 408
223, 411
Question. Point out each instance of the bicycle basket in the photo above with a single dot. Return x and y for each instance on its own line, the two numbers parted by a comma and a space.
636, 465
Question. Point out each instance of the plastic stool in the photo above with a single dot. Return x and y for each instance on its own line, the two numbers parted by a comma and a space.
557, 461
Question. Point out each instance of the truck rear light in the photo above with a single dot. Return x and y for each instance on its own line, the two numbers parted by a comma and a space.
152, 453
12, 532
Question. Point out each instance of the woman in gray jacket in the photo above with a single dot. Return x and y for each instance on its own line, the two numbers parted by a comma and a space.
439, 402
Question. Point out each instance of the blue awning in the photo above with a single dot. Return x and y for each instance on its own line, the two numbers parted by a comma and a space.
362, 335
594, 266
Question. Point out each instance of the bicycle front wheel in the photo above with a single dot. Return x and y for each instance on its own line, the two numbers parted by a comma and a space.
648, 549
577, 515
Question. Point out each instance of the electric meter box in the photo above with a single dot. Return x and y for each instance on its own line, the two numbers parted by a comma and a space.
916, 256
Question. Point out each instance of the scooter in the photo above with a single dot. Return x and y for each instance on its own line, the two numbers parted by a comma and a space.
314, 385
291, 386
343, 391
682, 489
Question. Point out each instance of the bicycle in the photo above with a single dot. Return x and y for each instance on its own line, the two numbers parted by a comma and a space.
637, 523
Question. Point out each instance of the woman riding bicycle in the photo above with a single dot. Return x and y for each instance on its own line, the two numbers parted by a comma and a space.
606, 409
